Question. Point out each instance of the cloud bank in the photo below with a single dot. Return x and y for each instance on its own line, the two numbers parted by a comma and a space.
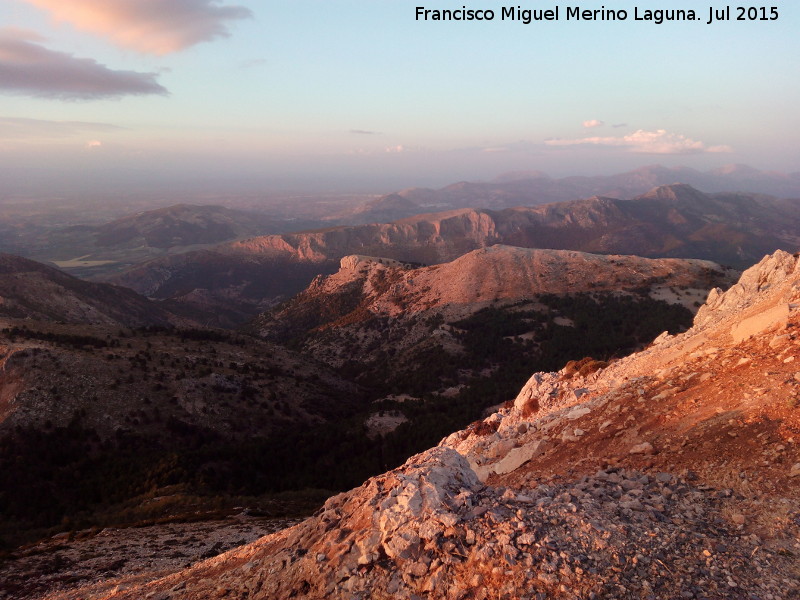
647, 142
150, 26
28, 68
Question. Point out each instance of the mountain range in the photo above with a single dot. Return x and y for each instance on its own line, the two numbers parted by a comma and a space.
582, 398
672, 221
530, 188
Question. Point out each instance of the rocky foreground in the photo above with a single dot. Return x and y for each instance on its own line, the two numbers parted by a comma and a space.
672, 473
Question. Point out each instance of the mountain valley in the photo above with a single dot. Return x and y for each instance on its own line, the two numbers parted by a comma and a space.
580, 399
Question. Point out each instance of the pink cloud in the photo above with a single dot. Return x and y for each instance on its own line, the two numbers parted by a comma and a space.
647, 142
150, 26
593, 123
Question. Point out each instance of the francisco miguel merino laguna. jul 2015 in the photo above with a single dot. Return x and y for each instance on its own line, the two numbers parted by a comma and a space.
576, 13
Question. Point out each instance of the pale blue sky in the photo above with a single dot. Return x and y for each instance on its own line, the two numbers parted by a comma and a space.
358, 95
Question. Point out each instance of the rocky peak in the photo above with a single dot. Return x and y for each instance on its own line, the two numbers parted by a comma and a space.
755, 285
673, 191
356, 262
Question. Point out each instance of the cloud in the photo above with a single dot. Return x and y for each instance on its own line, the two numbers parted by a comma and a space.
151, 26
646, 142
593, 123
395, 149
364, 132
17, 128
618, 125
94, 145
28, 68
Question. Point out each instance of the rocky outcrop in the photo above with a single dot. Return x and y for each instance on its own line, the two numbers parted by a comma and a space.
355, 262
754, 284
429, 530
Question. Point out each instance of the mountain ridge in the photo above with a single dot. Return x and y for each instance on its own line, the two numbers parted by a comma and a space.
675, 221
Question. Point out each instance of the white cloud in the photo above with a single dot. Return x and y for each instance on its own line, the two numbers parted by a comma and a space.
28, 68
646, 142
151, 26
593, 123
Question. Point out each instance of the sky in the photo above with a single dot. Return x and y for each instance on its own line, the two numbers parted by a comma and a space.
360, 95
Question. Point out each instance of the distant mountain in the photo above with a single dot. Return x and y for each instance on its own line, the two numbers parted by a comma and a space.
366, 288
184, 225
31, 290
92, 250
95, 251
532, 188
670, 221
384, 209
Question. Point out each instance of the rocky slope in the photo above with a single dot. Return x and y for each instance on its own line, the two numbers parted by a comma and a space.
150, 381
672, 221
94, 417
670, 473
31, 290
145, 551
